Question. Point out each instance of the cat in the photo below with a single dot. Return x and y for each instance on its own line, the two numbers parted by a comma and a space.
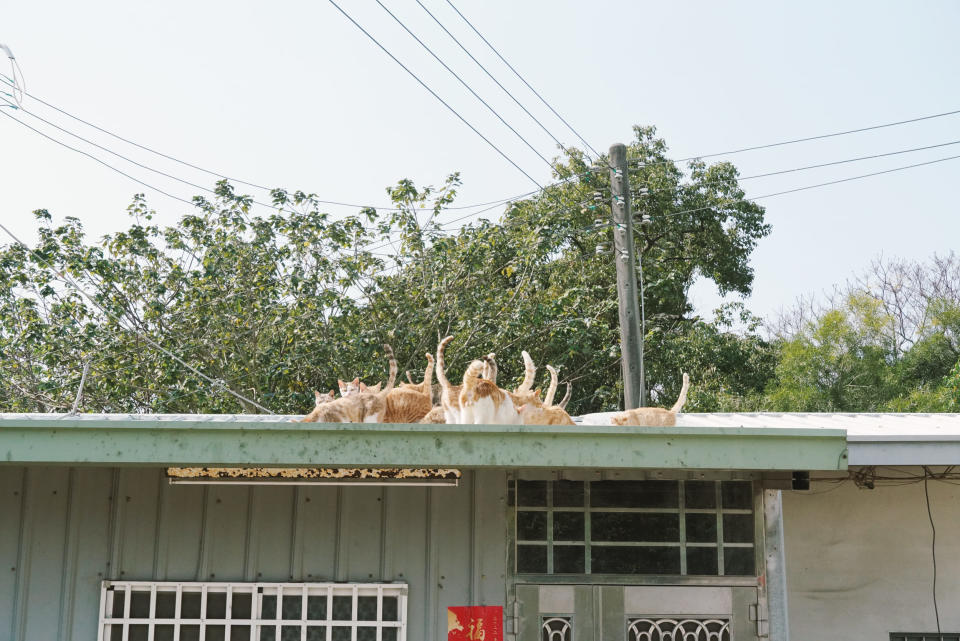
449, 394
482, 402
411, 401
654, 416
358, 407
434, 416
547, 413
356, 386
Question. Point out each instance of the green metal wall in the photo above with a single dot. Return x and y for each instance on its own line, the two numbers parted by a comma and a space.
63, 530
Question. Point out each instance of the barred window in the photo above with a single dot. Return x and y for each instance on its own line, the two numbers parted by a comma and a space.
170, 611
924, 636
704, 528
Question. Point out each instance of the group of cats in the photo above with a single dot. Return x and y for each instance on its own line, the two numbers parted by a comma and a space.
478, 400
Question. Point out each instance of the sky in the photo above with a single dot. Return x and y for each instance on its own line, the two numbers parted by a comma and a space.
292, 94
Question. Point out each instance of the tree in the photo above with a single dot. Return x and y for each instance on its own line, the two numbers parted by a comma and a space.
274, 306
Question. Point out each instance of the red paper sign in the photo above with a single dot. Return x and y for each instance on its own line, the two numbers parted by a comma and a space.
475, 623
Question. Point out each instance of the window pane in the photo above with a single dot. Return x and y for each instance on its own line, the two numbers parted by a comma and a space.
166, 605
390, 608
737, 494
268, 609
139, 605
635, 494
341, 634
216, 605
163, 632
702, 561
390, 634
317, 608
240, 606
119, 597
290, 633
613, 526
342, 608
137, 632
532, 526
532, 559
292, 606
700, 495
568, 559
702, 528
192, 633
367, 608
568, 494
316, 633
190, 605
532, 493
738, 528
216, 632
237, 633
568, 526
635, 560
366, 634
738, 561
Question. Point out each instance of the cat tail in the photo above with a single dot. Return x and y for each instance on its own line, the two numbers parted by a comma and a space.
566, 397
470, 379
427, 386
530, 371
682, 399
552, 390
490, 368
393, 368
441, 364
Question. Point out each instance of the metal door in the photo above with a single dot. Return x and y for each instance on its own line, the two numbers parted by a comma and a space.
638, 613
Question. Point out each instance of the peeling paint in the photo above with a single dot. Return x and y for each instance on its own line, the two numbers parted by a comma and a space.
311, 473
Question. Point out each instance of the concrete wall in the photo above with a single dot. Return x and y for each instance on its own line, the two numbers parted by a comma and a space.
63, 530
859, 561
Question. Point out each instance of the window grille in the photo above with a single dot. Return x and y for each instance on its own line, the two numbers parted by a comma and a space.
924, 636
697, 528
556, 629
170, 611
659, 629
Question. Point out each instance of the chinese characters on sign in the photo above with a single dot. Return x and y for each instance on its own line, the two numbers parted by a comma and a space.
475, 623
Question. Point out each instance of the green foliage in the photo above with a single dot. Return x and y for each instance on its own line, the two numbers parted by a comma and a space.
274, 306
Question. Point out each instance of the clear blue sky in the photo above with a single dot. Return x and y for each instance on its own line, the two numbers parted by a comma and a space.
291, 94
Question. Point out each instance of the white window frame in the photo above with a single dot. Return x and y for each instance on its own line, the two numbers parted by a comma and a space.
110, 626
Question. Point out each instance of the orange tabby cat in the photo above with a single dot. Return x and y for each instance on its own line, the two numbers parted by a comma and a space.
654, 416
449, 394
411, 402
359, 407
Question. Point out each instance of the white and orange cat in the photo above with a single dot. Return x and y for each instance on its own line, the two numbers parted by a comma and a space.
654, 416
482, 402
450, 394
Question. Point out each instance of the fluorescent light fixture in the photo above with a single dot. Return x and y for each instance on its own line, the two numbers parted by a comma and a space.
313, 476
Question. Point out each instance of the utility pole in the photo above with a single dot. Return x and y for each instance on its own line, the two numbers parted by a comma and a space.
631, 341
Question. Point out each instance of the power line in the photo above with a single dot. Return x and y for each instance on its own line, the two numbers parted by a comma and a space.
467, 86
8, 81
434, 94
66, 279
491, 76
542, 99
822, 136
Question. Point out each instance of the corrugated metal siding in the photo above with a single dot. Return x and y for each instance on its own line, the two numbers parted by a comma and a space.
63, 530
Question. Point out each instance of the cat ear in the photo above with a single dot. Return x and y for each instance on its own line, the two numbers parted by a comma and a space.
332, 394
356, 382
372, 388
363, 387
343, 386
317, 395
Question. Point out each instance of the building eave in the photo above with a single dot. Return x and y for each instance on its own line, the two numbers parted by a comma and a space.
198, 440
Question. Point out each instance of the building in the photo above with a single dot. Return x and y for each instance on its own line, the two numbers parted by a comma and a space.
590, 532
